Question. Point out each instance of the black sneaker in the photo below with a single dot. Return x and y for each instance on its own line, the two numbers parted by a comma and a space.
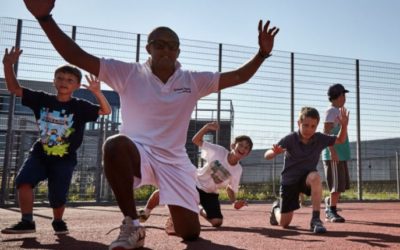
333, 216
272, 217
22, 227
316, 226
60, 227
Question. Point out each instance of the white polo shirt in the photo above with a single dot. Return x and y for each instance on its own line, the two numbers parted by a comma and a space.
154, 114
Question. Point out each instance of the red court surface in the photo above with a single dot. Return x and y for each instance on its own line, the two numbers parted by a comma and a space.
369, 225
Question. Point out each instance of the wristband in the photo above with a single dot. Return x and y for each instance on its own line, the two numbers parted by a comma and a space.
44, 18
260, 54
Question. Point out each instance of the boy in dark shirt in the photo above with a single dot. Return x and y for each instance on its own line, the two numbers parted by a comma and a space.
299, 175
61, 119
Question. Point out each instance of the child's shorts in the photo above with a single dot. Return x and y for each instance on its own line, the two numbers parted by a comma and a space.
175, 180
337, 176
290, 195
210, 203
57, 171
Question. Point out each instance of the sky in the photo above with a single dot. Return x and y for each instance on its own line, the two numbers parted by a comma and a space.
358, 29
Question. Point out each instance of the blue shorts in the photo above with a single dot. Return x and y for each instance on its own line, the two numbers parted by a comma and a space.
58, 172
290, 195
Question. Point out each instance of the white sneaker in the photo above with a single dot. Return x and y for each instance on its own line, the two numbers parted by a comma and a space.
130, 237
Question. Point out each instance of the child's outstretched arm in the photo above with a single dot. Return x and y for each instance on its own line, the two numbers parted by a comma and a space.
94, 87
198, 137
237, 204
9, 59
344, 121
274, 151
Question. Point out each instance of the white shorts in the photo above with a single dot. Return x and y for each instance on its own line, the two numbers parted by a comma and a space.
176, 182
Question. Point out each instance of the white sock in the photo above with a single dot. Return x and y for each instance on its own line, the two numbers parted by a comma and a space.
136, 223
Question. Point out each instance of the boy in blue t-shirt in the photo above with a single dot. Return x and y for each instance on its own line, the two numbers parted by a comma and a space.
299, 175
61, 119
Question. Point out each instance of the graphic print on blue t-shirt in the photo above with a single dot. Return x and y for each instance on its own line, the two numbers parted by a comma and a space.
219, 173
55, 128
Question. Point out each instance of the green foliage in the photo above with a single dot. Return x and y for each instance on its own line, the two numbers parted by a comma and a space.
253, 192
144, 192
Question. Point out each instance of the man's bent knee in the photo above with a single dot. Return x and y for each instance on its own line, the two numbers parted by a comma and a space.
190, 236
114, 143
119, 152
186, 222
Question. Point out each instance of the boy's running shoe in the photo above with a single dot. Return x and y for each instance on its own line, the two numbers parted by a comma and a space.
60, 227
272, 217
316, 226
333, 216
22, 227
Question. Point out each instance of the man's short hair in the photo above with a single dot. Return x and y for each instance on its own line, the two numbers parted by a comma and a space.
161, 29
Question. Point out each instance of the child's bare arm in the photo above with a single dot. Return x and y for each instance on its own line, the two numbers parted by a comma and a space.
274, 151
94, 87
9, 59
198, 137
237, 204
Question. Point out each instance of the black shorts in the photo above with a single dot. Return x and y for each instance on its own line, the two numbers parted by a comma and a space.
210, 203
290, 195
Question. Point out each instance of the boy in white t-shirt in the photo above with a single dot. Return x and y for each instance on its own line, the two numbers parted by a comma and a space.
222, 170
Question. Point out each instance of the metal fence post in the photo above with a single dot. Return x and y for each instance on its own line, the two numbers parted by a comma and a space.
99, 168
358, 112
219, 92
273, 176
73, 35
8, 152
137, 47
398, 175
292, 118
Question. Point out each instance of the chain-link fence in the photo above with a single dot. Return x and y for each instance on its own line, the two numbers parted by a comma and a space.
265, 108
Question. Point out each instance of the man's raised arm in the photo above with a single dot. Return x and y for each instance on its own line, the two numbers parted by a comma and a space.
266, 38
66, 47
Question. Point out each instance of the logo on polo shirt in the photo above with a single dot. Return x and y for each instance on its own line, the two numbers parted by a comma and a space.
183, 90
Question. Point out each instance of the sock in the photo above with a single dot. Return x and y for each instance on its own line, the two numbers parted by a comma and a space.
147, 211
27, 217
136, 222
315, 214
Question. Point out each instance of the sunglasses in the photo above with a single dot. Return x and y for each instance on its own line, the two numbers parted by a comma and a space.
160, 44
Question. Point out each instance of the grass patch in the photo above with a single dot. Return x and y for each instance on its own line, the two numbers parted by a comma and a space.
376, 190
